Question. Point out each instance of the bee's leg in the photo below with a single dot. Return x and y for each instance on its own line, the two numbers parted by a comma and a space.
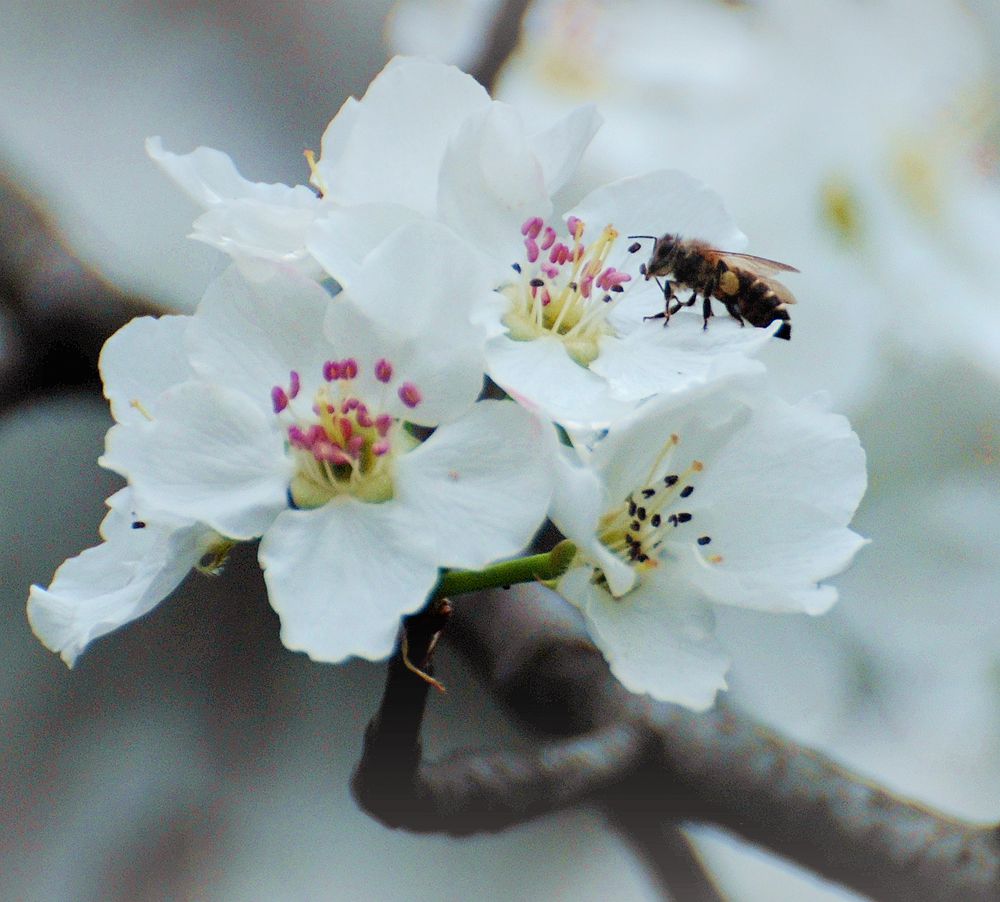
668, 295
734, 312
706, 310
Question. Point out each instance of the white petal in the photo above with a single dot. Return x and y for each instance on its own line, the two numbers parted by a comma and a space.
798, 452
578, 504
491, 181
662, 202
655, 359
390, 148
774, 551
420, 301
560, 147
115, 582
540, 375
481, 485
656, 638
342, 239
250, 335
342, 575
209, 454
701, 416
209, 177
140, 361
248, 227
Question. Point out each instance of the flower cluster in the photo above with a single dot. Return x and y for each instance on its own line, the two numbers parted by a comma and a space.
326, 397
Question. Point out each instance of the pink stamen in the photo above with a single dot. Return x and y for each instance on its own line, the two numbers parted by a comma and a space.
531, 247
383, 370
331, 370
349, 368
297, 437
549, 270
294, 384
355, 446
383, 423
546, 297
574, 224
380, 448
410, 395
548, 237
586, 286
531, 227
346, 428
559, 254
349, 405
279, 400
365, 420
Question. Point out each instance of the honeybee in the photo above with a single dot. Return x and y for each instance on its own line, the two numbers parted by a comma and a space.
743, 283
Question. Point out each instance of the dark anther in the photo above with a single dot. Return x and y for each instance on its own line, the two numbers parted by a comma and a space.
655, 520
642, 269
138, 524
516, 267
537, 283
573, 286
672, 519
641, 513
632, 508
618, 288
670, 480
643, 558
686, 491
607, 298
636, 525
648, 493
704, 540
683, 518
634, 246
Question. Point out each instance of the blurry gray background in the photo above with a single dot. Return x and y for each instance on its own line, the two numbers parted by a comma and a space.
190, 755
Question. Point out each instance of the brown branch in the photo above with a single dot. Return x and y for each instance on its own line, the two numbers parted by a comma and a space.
722, 768
473, 791
55, 314
499, 42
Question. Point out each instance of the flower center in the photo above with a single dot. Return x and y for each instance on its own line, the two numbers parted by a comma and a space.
636, 529
566, 288
342, 446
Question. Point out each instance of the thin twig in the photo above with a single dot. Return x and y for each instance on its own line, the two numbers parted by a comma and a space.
663, 847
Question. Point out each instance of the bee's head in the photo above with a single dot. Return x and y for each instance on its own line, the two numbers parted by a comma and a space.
664, 256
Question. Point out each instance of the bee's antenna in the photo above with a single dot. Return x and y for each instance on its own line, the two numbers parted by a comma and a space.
650, 237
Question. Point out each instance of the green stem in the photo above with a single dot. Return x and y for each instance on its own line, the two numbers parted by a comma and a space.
534, 568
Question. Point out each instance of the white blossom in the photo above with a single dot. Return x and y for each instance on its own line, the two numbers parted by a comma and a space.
306, 441
725, 495
422, 142
576, 343
145, 552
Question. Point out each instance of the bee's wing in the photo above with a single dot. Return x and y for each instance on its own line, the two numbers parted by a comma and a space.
781, 291
759, 266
